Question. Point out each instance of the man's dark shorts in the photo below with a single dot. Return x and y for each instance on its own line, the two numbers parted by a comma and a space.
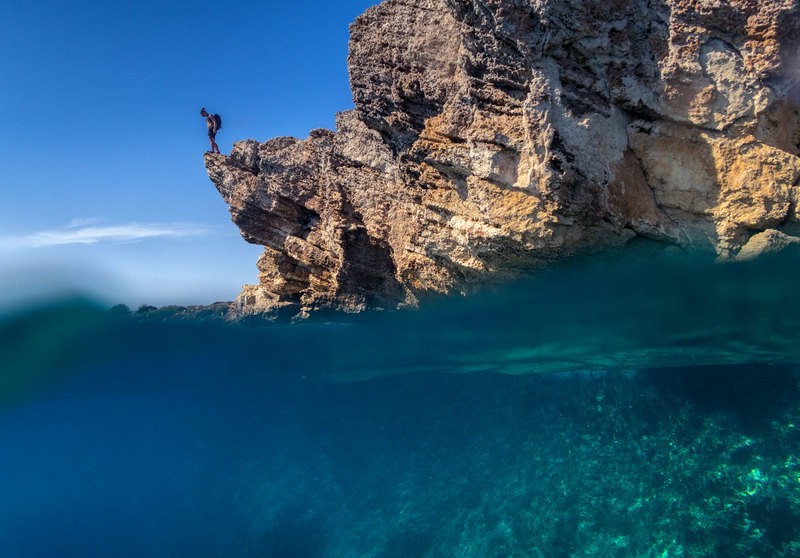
211, 133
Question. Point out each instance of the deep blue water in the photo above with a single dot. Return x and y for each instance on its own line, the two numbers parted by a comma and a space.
647, 408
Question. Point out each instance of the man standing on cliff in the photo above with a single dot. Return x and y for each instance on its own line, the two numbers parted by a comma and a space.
213, 125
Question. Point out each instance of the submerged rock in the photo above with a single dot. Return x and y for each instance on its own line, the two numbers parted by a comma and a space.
494, 136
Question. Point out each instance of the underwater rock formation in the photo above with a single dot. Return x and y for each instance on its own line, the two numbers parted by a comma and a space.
494, 136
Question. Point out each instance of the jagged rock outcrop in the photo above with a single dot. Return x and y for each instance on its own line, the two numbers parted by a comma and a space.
490, 136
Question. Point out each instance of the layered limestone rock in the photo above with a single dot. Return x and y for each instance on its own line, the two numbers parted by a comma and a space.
493, 136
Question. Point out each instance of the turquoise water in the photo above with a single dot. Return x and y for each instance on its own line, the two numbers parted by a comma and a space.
640, 408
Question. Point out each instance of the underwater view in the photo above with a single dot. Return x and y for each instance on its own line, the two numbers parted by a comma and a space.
649, 407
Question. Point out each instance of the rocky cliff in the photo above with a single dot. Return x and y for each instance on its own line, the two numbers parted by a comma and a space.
492, 136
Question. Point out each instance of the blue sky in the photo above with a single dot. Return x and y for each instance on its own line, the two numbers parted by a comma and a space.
102, 181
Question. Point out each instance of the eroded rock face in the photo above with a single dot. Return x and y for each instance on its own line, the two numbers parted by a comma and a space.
491, 136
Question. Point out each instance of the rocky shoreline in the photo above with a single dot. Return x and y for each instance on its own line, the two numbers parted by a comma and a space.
491, 138
215, 312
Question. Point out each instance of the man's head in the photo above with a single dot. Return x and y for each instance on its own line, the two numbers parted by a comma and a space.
203, 112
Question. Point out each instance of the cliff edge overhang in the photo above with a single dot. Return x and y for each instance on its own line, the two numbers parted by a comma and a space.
494, 136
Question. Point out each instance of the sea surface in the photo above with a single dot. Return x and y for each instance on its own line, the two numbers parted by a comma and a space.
645, 408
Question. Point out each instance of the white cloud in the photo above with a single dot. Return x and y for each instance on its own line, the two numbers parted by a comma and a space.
84, 232
82, 222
